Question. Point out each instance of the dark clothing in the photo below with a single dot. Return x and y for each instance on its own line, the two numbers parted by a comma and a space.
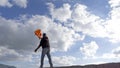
45, 42
45, 51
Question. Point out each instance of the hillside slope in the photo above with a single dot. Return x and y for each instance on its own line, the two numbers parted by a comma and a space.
108, 65
6, 66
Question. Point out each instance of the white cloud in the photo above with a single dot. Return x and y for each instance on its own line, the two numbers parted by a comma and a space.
113, 54
63, 38
114, 3
94, 26
8, 3
116, 52
16, 35
105, 56
64, 60
79, 13
112, 29
62, 14
81, 20
5, 51
21, 3
5, 3
112, 24
87, 23
19, 34
89, 49
7, 54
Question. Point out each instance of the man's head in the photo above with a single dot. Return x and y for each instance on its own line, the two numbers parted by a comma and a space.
44, 34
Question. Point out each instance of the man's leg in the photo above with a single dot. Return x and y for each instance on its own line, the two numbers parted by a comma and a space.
42, 57
49, 58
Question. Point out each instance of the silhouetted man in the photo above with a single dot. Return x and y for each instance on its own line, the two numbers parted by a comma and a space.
45, 50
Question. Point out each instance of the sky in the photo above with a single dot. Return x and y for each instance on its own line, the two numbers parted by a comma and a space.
81, 32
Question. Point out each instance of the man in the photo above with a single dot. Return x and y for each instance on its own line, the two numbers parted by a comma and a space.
45, 50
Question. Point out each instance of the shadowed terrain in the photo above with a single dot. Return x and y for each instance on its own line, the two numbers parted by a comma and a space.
6, 66
107, 65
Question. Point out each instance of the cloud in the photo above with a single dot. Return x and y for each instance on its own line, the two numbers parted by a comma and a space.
89, 49
112, 24
5, 3
64, 60
114, 3
116, 51
7, 54
114, 54
61, 14
82, 20
60, 60
8, 3
20, 3
64, 37
18, 35
86, 22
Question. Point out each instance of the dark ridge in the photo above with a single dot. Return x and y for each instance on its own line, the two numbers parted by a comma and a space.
6, 66
107, 65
